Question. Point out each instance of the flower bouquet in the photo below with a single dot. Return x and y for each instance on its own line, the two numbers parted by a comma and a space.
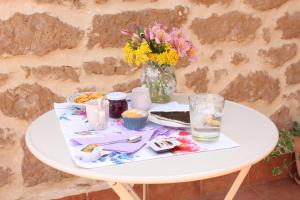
159, 51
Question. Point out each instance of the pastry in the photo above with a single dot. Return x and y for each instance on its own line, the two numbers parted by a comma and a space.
181, 117
213, 121
134, 113
89, 148
85, 97
135, 119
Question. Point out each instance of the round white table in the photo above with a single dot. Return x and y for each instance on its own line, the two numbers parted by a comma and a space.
255, 133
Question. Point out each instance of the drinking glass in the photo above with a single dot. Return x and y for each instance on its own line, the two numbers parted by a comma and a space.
206, 112
97, 113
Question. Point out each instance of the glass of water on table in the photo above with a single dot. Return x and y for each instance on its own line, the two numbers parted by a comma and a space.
206, 112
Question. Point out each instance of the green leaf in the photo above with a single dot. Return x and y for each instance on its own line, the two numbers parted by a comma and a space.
296, 129
140, 32
276, 171
285, 145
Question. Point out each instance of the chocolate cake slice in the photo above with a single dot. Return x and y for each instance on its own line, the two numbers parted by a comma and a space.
181, 117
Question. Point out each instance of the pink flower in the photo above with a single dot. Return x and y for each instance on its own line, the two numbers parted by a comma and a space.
181, 46
149, 35
157, 33
192, 53
161, 36
177, 33
158, 27
126, 32
135, 38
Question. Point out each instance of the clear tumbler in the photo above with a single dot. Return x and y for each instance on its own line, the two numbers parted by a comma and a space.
206, 112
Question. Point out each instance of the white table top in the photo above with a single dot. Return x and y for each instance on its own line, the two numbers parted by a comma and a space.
255, 133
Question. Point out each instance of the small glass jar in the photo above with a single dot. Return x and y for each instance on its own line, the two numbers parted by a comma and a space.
117, 104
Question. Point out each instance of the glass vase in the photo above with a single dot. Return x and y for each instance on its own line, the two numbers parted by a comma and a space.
161, 81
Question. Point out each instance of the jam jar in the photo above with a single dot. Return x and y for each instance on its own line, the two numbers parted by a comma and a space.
117, 104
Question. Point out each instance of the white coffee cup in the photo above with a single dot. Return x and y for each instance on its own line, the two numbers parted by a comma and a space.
140, 98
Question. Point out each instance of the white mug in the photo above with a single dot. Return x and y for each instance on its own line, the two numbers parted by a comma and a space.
140, 98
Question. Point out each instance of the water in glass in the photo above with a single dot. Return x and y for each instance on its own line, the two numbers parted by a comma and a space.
206, 116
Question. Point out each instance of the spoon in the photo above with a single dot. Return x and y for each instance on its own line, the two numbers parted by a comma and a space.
131, 139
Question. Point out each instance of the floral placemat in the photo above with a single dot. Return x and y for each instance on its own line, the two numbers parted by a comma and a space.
78, 133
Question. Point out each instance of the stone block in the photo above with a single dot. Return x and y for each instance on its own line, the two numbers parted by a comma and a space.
219, 74
232, 26
3, 78
53, 73
7, 137
106, 31
277, 56
292, 73
74, 3
27, 101
289, 24
263, 5
282, 118
216, 54
5, 176
37, 34
35, 172
109, 66
211, 2
255, 86
197, 80
128, 86
238, 58
267, 35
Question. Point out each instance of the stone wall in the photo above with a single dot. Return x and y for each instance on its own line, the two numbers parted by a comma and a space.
49, 49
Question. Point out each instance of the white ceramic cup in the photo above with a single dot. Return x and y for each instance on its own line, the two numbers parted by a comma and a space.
97, 116
140, 98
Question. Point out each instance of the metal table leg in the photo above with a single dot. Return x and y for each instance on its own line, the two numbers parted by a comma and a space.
124, 191
145, 192
237, 182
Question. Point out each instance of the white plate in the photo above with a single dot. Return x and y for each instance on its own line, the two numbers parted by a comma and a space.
172, 106
153, 119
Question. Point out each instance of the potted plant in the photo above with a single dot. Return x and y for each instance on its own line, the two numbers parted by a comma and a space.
289, 142
296, 133
159, 51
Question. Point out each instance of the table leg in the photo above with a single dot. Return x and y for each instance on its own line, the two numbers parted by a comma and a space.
237, 182
124, 191
145, 192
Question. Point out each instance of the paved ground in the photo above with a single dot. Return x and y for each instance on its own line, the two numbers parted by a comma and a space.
284, 189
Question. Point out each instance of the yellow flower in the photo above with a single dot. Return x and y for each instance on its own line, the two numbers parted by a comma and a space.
169, 57
141, 54
172, 57
153, 57
128, 53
